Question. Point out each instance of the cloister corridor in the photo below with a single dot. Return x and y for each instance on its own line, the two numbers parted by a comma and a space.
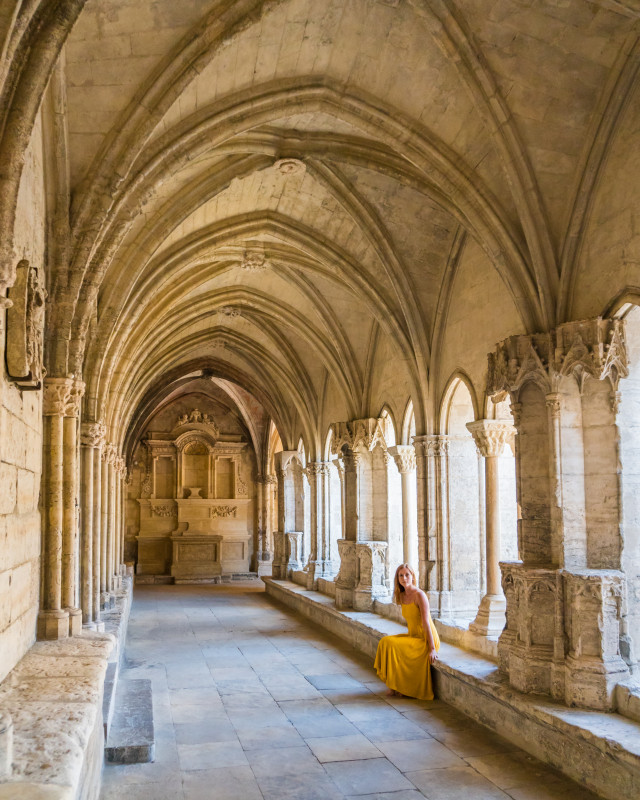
251, 701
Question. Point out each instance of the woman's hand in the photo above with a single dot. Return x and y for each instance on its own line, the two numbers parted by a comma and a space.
433, 656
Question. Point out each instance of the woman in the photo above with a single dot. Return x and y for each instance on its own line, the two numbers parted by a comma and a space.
403, 661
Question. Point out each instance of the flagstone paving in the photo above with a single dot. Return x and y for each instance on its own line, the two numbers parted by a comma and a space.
251, 701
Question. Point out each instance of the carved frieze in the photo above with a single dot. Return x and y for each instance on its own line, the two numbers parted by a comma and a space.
222, 511
25, 327
164, 510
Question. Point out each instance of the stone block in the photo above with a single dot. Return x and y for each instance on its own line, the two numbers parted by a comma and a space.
13, 439
131, 735
28, 491
9, 484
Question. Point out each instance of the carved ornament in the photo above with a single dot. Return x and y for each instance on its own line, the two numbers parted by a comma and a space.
366, 433
490, 436
196, 417
290, 166
434, 445
25, 327
92, 434
167, 510
588, 348
56, 397
222, 511
254, 260
405, 457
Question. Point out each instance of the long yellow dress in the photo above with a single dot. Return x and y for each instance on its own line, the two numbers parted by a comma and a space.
402, 661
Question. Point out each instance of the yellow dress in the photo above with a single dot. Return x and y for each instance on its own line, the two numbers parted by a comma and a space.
402, 661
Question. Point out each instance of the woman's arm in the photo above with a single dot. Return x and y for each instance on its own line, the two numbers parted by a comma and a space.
423, 605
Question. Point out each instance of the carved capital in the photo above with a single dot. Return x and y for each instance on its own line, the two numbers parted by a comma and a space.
552, 401
56, 396
586, 348
316, 468
366, 433
435, 445
405, 457
491, 436
92, 434
75, 399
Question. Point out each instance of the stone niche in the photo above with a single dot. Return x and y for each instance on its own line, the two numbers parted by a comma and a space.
195, 506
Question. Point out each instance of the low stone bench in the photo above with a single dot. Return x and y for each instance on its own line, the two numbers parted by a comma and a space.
54, 700
601, 751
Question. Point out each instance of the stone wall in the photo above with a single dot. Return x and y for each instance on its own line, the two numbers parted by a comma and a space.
21, 448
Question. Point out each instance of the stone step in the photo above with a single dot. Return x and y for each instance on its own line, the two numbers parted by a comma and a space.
109, 696
131, 737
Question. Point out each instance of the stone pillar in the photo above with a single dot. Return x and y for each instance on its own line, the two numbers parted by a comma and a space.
318, 564
90, 438
362, 578
405, 460
431, 460
565, 600
286, 517
97, 523
347, 576
53, 620
70, 538
111, 521
106, 455
490, 437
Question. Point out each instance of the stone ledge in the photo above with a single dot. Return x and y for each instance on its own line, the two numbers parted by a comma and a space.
601, 751
54, 698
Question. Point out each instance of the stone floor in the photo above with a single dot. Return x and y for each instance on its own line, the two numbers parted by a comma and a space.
250, 702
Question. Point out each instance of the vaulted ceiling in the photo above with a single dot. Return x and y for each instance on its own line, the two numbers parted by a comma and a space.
278, 192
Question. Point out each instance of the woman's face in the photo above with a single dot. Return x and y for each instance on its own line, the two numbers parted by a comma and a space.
405, 578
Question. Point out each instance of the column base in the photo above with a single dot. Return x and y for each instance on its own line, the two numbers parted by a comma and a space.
99, 626
106, 601
75, 621
89, 626
53, 625
490, 618
344, 597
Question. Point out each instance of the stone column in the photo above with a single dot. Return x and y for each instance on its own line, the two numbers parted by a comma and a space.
431, 460
106, 455
283, 554
53, 620
97, 523
318, 477
70, 538
490, 437
361, 578
89, 441
111, 522
405, 459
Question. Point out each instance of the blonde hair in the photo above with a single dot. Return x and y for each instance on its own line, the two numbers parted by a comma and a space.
399, 590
